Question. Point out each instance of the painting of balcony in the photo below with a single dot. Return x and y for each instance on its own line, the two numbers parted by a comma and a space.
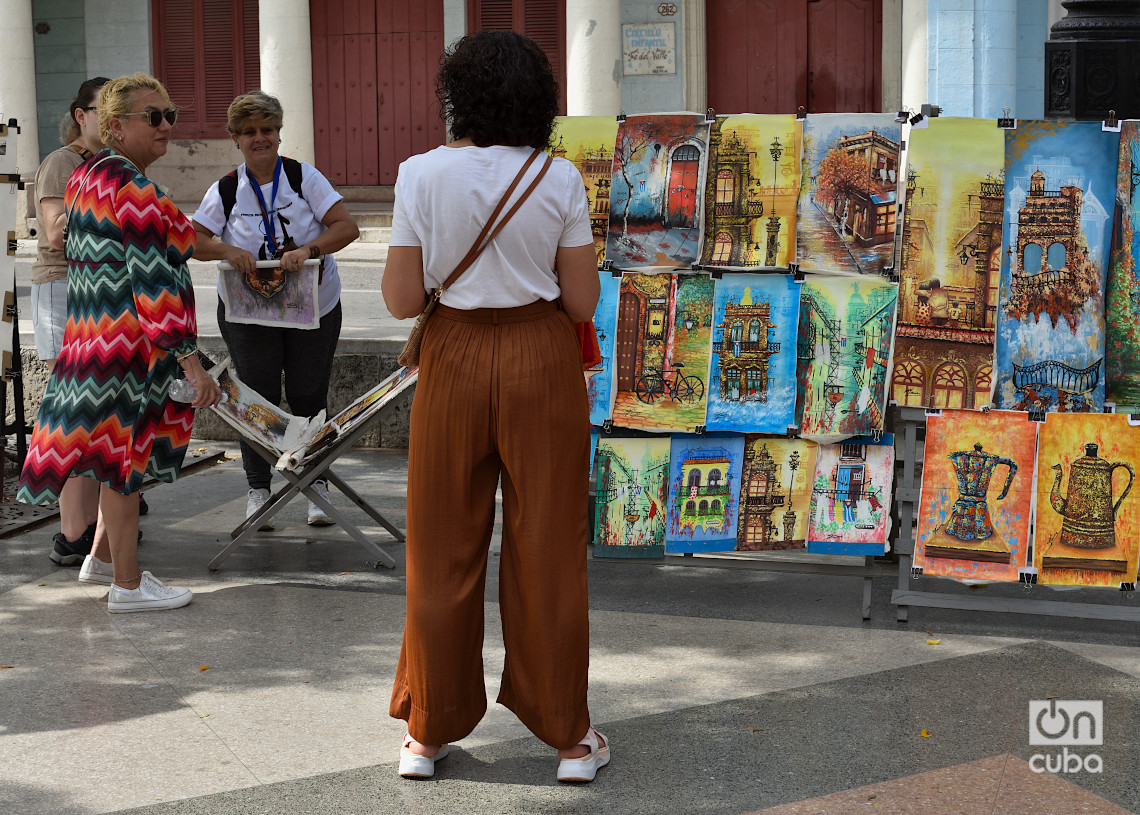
704, 492
752, 184
752, 374
1122, 310
588, 142
1050, 334
631, 483
775, 493
848, 196
851, 497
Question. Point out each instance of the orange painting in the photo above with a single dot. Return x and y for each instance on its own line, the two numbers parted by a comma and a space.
1088, 509
977, 486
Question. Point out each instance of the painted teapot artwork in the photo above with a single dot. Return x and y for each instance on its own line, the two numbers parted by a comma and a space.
970, 515
1089, 515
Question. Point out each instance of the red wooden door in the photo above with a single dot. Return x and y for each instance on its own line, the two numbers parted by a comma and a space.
629, 321
682, 192
374, 66
775, 56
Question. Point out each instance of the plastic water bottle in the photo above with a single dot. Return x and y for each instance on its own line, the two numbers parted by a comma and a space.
181, 390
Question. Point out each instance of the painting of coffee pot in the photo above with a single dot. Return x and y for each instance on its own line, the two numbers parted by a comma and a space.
1087, 510
970, 516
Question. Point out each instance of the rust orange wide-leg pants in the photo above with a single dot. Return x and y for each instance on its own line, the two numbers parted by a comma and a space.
500, 395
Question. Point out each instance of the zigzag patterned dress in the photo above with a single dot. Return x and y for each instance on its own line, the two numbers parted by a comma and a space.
130, 311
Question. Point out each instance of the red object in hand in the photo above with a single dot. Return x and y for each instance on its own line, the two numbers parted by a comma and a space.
588, 344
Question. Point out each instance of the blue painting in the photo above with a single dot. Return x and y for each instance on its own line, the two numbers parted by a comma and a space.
1060, 182
752, 372
704, 492
599, 379
657, 192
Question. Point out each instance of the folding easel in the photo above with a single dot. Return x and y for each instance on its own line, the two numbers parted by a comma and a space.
299, 482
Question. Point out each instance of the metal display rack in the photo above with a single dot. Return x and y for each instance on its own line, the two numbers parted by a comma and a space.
907, 492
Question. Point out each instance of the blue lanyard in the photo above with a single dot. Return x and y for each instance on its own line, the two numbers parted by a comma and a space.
266, 216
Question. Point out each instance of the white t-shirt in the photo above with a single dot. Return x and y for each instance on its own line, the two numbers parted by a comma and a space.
293, 217
443, 199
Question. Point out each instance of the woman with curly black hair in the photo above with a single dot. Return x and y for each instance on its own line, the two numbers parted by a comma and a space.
500, 398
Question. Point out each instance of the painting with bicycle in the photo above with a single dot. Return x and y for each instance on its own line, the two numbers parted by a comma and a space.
661, 356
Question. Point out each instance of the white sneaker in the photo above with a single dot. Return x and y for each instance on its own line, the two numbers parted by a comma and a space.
257, 499
151, 595
96, 571
317, 516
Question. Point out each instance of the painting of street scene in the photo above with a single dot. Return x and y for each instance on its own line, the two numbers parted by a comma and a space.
843, 347
656, 191
704, 492
750, 196
950, 265
848, 196
664, 326
588, 142
775, 493
752, 375
599, 378
1122, 301
632, 482
851, 496
1050, 338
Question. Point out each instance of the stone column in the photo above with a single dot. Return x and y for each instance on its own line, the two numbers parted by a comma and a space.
18, 81
696, 56
915, 72
593, 58
287, 71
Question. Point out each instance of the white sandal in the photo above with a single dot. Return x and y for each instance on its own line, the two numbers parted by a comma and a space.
585, 768
413, 765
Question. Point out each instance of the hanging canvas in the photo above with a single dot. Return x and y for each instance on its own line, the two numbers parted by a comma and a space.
775, 493
752, 373
661, 360
704, 492
599, 379
588, 142
656, 191
8, 170
1088, 508
851, 497
750, 196
1050, 337
848, 195
843, 347
977, 489
630, 513
1122, 309
950, 264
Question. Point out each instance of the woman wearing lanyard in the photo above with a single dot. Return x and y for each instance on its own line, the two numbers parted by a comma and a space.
287, 210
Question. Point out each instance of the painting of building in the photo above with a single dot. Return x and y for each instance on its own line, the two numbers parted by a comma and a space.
588, 142
631, 486
1122, 300
657, 183
704, 492
661, 357
1050, 338
752, 375
750, 195
600, 378
949, 265
848, 195
850, 503
775, 493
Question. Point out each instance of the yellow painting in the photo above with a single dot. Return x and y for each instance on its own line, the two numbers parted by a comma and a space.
588, 142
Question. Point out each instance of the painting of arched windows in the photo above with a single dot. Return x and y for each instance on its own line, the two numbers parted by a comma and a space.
725, 192
754, 331
908, 387
1056, 256
758, 485
715, 508
982, 382
1031, 259
694, 477
690, 507
714, 477
722, 248
949, 388
703, 508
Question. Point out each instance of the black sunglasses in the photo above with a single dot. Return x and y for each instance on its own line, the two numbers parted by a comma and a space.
155, 116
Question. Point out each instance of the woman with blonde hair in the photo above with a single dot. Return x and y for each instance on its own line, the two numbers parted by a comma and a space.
131, 325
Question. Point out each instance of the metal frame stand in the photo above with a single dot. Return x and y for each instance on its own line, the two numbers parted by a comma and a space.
907, 499
299, 483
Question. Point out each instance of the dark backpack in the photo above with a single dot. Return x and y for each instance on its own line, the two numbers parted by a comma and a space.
228, 184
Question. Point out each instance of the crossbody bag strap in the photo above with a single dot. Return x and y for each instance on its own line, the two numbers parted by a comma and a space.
487, 235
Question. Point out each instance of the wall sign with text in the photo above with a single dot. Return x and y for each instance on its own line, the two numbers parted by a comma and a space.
649, 48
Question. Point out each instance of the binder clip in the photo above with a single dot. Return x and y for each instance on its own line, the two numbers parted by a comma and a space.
985, 408
876, 434
699, 430
1111, 123
1128, 587
1005, 121
608, 426
621, 117
902, 144
1027, 577
931, 111
796, 272
716, 274
1109, 407
792, 431
801, 112
608, 266
892, 274
902, 116
11, 244
710, 115
915, 572
1037, 416
933, 411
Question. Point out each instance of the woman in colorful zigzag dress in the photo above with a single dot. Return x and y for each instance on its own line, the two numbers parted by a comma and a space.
106, 413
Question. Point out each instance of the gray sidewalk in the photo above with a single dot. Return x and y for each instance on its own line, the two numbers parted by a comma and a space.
723, 691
